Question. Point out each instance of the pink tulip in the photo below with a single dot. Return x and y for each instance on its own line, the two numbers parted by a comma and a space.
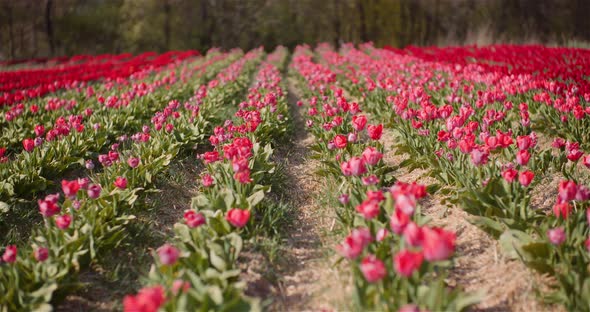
373, 269
357, 166
168, 254
133, 162
94, 191
10, 254
207, 180
369, 209
556, 236
63, 222
372, 156
437, 244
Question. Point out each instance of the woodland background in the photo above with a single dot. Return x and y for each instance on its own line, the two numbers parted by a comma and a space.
45, 28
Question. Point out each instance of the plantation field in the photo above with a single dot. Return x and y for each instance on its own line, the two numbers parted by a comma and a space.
350, 179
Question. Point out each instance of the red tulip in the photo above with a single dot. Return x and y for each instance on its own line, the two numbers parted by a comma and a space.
238, 217
340, 141
373, 269
29, 145
70, 188
121, 183
509, 175
41, 254
375, 132
48, 208
526, 177
168, 254
523, 157
406, 262
243, 176
562, 209
574, 154
193, 219
39, 130
149, 299
369, 209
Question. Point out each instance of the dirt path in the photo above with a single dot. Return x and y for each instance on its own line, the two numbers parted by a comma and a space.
309, 281
479, 264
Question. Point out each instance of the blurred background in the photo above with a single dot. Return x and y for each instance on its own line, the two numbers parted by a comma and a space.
45, 28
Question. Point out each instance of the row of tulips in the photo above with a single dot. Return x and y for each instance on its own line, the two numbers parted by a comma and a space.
398, 261
90, 220
21, 120
197, 270
76, 138
460, 125
19, 85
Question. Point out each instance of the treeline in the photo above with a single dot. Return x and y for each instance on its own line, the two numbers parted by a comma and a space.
41, 28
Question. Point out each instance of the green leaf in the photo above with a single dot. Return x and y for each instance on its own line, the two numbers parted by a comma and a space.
255, 198
511, 242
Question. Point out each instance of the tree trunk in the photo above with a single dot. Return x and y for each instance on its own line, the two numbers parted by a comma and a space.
167, 9
8, 9
49, 26
361, 10
338, 35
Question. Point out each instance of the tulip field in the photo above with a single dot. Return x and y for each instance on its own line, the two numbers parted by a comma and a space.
350, 179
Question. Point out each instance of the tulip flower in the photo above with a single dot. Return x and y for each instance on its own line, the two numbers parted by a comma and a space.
193, 219
70, 188
133, 162
407, 262
373, 269
340, 141
168, 254
375, 132
238, 217
148, 299
372, 156
121, 183
10, 254
41, 254
63, 222
29, 145
437, 244
207, 180
526, 177
556, 236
